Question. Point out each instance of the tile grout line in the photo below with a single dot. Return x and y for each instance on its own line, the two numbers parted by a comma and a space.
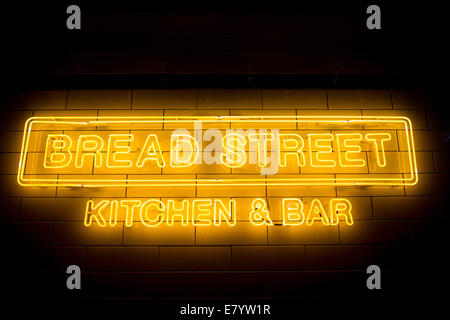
131, 102
392, 100
196, 98
67, 99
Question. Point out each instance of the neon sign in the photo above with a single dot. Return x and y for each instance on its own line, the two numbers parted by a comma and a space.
244, 151
342, 146
206, 212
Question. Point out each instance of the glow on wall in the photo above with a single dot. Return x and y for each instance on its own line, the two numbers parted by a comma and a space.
217, 151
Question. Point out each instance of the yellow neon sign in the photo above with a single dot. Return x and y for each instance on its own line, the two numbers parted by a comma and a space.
320, 143
207, 212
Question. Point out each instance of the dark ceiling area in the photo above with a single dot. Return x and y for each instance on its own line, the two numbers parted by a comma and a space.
131, 44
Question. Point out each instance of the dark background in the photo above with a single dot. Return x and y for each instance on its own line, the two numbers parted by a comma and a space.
148, 45
185, 45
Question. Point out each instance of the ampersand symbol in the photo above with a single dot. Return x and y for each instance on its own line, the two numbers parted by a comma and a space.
260, 215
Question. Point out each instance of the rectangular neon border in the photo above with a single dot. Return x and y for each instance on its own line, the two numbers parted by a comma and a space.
411, 180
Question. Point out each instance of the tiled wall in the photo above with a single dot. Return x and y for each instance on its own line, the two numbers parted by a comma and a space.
42, 230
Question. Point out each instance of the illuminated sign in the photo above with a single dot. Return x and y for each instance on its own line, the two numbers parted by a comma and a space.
206, 212
150, 151
217, 151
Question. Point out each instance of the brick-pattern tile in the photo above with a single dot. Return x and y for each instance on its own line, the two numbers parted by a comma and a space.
359, 99
42, 229
303, 234
195, 258
103, 258
16, 120
10, 208
99, 99
229, 99
164, 99
372, 232
295, 99
39, 99
243, 233
26, 233
140, 234
75, 233
268, 257
405, 207
53, 209
340, 257
409, 99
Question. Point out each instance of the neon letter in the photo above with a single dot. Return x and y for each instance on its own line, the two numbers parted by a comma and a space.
201, 212
260, 215
314, 139
95, 212
184, 150
341, 207
115, 148
293, 212
160, 209
129, 206
57, 151
220, 211
292, 143
182, 212
89, 145
151, 151
378, 140
317, 212
344, 140
234, 154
